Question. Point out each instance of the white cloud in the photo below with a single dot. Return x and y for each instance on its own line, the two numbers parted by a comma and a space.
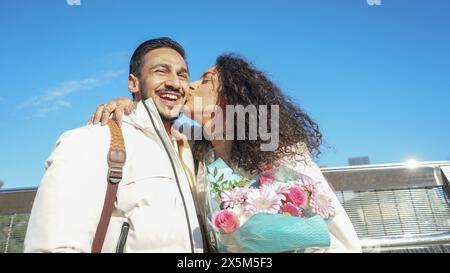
53, 99
43, 110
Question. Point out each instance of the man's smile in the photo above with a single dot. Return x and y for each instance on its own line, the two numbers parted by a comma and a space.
170, 97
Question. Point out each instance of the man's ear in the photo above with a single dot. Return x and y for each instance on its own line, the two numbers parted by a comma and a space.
133, 86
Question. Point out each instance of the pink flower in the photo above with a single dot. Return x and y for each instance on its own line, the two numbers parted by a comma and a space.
225, 221
265, 168
311, 188
321, 204
297, 196
233, 197
267, 177
261, 200
266, 180
280, 188
290, 209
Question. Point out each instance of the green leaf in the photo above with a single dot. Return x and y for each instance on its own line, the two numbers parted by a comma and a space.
215, 171
221, 177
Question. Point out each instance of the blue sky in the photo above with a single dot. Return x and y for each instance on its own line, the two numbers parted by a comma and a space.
375, 78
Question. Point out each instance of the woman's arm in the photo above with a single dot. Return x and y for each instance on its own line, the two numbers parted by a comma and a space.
118, 107
342, 233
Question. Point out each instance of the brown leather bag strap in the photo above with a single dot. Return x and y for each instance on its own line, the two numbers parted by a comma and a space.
116, 161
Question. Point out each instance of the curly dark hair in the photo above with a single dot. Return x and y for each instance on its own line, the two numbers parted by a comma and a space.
242, 84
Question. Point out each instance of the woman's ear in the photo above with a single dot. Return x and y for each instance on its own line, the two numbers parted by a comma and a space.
133, 86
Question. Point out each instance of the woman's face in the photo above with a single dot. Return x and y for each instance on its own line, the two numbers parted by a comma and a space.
204, 96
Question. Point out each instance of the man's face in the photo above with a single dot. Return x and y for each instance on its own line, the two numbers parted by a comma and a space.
165, 78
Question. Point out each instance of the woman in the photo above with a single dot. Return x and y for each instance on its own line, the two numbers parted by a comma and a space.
233, 81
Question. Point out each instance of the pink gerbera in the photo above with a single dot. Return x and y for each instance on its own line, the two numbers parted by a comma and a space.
233, 197
321, 204
280, 188
261, 200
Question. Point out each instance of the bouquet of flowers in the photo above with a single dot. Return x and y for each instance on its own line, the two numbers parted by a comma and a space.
279, 210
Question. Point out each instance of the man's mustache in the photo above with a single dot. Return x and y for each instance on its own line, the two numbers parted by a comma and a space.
171, 90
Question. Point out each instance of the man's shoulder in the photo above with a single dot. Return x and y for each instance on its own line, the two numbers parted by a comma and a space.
96, 134
87, 133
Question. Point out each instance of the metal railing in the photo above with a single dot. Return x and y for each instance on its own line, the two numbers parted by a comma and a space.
15, 208
437, 242
394, 207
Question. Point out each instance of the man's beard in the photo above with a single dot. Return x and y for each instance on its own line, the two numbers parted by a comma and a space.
166, 118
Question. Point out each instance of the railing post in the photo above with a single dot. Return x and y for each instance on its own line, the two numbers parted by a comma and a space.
9, 233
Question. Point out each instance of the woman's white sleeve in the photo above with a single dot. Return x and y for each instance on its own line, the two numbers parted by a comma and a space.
342, 233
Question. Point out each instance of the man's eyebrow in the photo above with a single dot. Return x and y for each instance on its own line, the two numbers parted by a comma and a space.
183, 70
168, 67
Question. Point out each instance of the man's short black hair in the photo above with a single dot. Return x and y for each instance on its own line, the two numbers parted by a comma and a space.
149, 45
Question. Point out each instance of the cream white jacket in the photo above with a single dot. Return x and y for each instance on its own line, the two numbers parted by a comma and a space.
154, 198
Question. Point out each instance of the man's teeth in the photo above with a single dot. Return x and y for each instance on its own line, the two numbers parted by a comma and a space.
169, 96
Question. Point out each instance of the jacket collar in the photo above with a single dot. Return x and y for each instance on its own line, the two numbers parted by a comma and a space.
140, 119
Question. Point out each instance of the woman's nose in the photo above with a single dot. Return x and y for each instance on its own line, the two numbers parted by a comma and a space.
193, 85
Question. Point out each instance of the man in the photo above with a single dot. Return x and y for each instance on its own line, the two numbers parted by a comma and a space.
155, 209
